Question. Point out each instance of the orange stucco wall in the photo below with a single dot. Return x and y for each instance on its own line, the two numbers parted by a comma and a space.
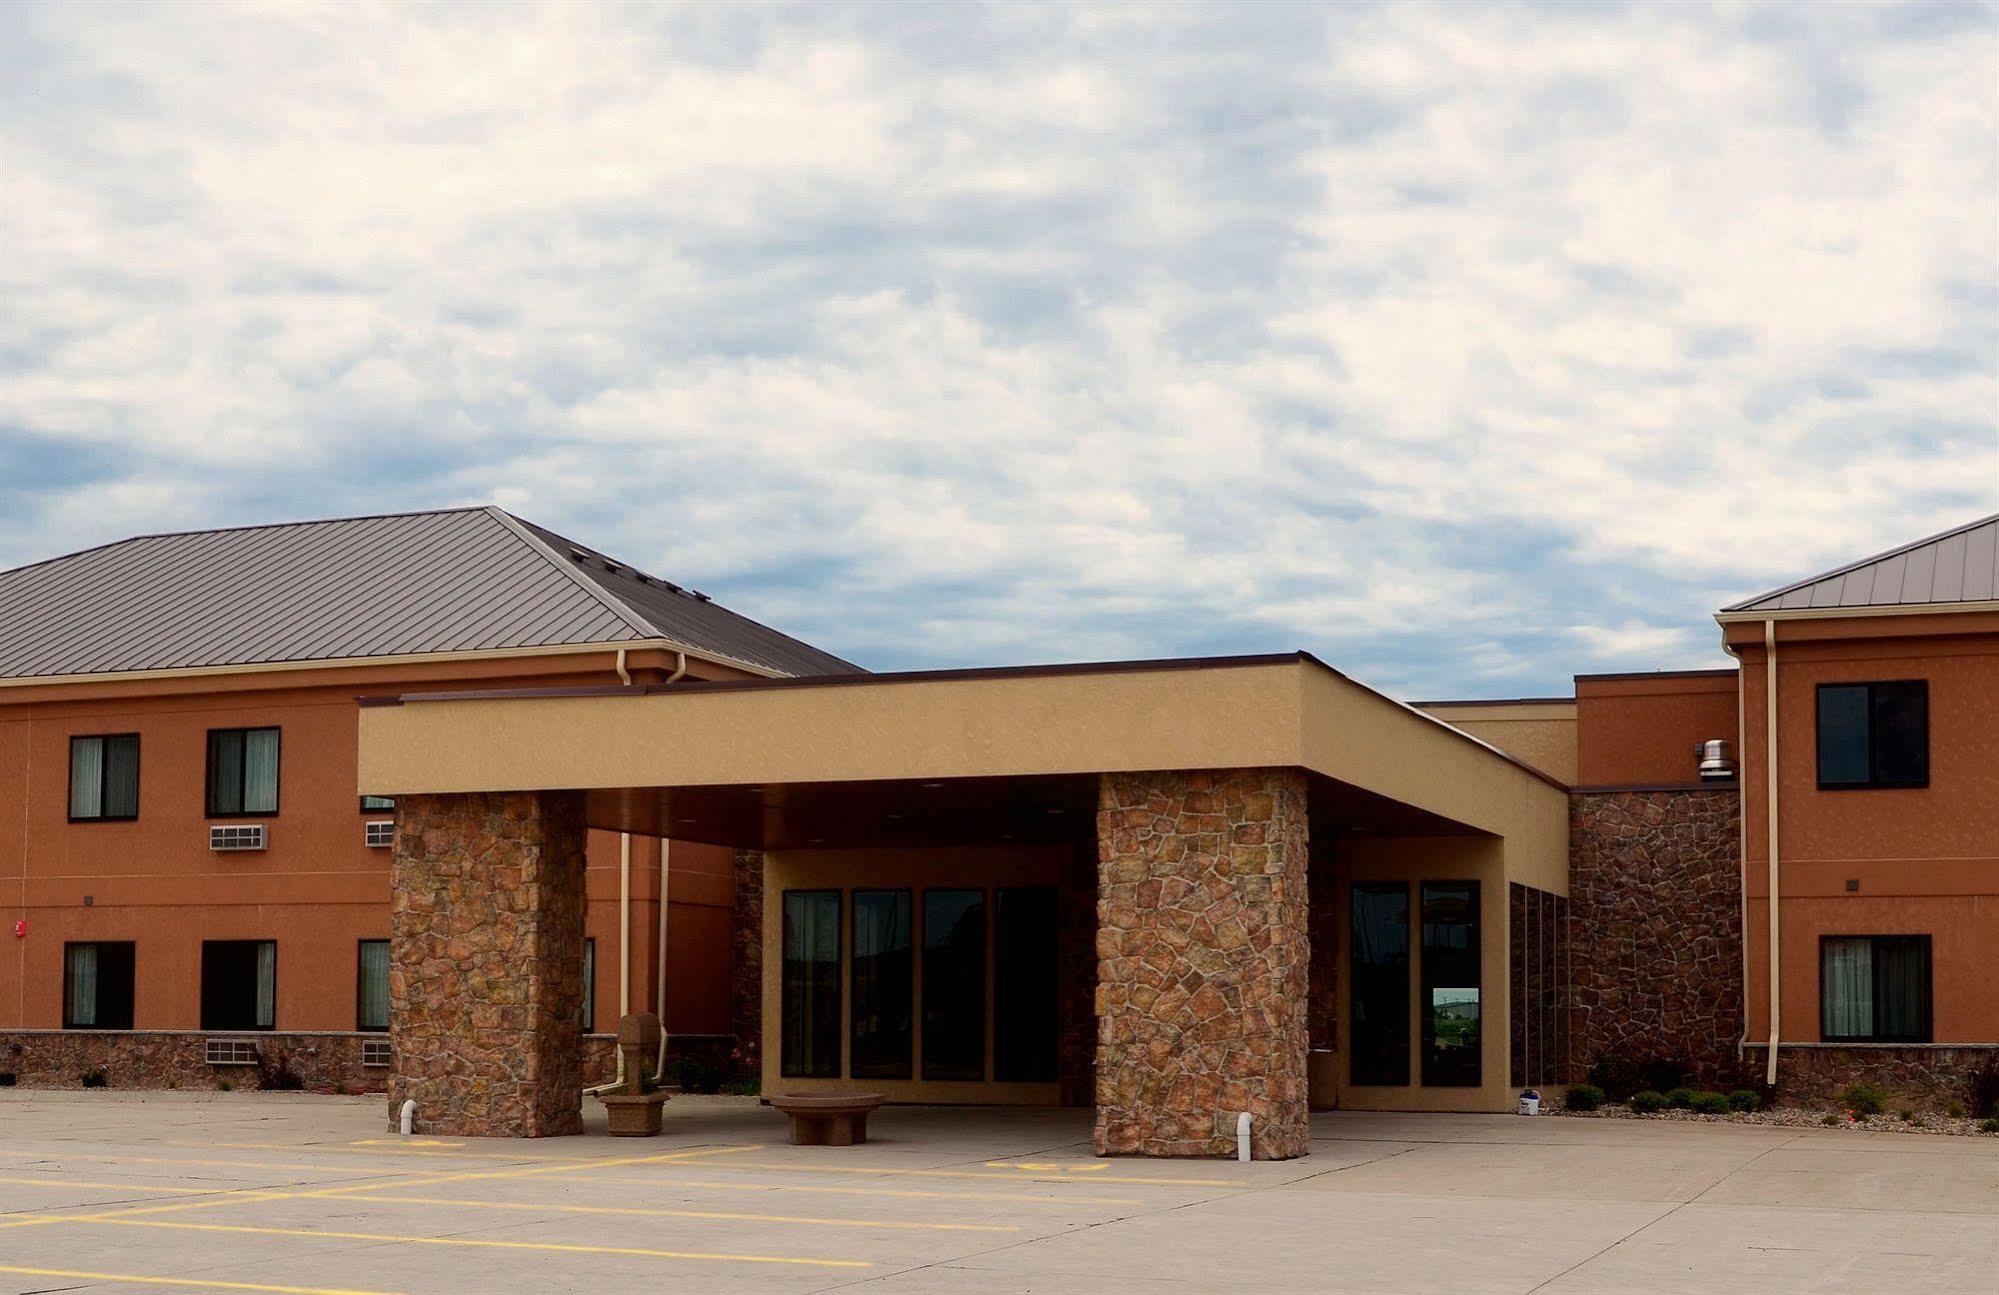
1641, 729
1926, 860
317, 890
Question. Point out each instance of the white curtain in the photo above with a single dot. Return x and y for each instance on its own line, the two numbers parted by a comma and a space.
375, 985
86, 777
83, 984
267, 984
1848, 1010
260, 771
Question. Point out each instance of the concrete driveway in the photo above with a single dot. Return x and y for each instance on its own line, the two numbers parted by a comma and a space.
291, 1193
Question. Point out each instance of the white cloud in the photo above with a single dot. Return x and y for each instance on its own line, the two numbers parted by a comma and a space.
1467, 346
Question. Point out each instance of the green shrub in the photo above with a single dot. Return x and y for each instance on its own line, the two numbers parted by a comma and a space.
1647, 1102
1710, 1104
1583, 1097
1908, 1115
1830, 1119
1664, 1074
1745, 1099
1864, 1098
94, 1079
224, 1086
1681, 1099
1988, 1126
1617, 1074
696, 1076
1956, 1110
6, 1079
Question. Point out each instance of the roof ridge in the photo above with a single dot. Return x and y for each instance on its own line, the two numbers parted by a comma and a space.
518, 528
1857, 563
247, 526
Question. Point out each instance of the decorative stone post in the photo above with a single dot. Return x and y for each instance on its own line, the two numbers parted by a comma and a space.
486, 963
1202, 955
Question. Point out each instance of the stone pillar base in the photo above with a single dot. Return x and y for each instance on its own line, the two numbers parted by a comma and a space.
1203, 956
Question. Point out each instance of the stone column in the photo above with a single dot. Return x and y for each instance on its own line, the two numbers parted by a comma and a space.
1202, 955
746, 971
486, 963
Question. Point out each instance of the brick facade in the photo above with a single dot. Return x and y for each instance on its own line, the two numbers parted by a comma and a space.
486, 972
1656, 928
1202, 952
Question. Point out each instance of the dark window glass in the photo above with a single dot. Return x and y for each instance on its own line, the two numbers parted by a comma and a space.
1379, 1034
1874, 734
1024, 989
884, 963
1539, 968
1874, 989
377, 804
371, 995
954, 984
239, 984
97, 986
104, 777
242, 771
1450, 989
590, 986
809, 1009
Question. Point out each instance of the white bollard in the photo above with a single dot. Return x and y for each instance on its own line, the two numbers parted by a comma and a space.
409, 1116
1242, 1137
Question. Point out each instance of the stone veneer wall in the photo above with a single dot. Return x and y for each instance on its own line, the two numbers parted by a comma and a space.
1202, 962
486, 963
1929, 1076
326, 1062
746, 973
1656, 928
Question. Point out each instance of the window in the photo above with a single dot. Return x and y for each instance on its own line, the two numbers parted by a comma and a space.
810, 992
242, 771
1379, 1035
1024, 987
1537, 922
954, 984
104, 778
239, 984
1874, 734
590, 986
97, 986
884, 964
1450, 990
377, 804
371, 997
1874, 989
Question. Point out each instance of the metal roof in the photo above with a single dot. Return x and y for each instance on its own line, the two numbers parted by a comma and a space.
1957, 566
457, 580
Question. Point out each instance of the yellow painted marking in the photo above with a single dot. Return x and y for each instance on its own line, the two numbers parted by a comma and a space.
206, 1283
541, 1207
1099, 1167
559, 1167
407, 1142
189, 1160
43, 1181
1060, 1198
987, 1176
552, 1246
363, 1147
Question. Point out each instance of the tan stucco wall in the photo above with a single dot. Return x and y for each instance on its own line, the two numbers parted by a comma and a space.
916, 871
1416, 860
1544, 734
1292, 714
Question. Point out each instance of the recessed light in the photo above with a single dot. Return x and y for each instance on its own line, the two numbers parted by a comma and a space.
932, 786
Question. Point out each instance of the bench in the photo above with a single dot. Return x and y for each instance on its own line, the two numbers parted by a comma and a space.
828, 1120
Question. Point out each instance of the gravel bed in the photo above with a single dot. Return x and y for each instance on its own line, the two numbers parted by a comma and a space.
1793, 1117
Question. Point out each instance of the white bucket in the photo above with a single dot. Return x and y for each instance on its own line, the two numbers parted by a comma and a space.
1530, 1103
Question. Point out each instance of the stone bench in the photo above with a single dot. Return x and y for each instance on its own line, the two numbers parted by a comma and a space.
829, 1119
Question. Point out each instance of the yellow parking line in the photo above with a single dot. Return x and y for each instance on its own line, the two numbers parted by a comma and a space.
989, 1175
206, 1283
560, 1167
541, 1207
44, 1181
1061, 1198
557, 1247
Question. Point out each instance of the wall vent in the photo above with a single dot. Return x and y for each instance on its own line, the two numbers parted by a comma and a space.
380, 835
233, 1052
375, 1052
240, 836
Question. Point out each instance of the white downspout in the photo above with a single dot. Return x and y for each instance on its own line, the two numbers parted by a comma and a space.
624, 915
1742, 850
1770, 774
659, 988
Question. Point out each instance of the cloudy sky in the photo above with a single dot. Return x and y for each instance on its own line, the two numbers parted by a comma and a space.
1469, 347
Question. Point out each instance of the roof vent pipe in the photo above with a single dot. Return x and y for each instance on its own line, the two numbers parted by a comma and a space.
1716, 765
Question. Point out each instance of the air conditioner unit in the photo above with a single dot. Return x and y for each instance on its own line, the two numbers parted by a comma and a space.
379, 836
232, 1052
245, 836
374, 1052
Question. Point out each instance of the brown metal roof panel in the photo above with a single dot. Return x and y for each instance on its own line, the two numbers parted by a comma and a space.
1856, 587
1981, 563
1958, 565
1888, 574
1950, 571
